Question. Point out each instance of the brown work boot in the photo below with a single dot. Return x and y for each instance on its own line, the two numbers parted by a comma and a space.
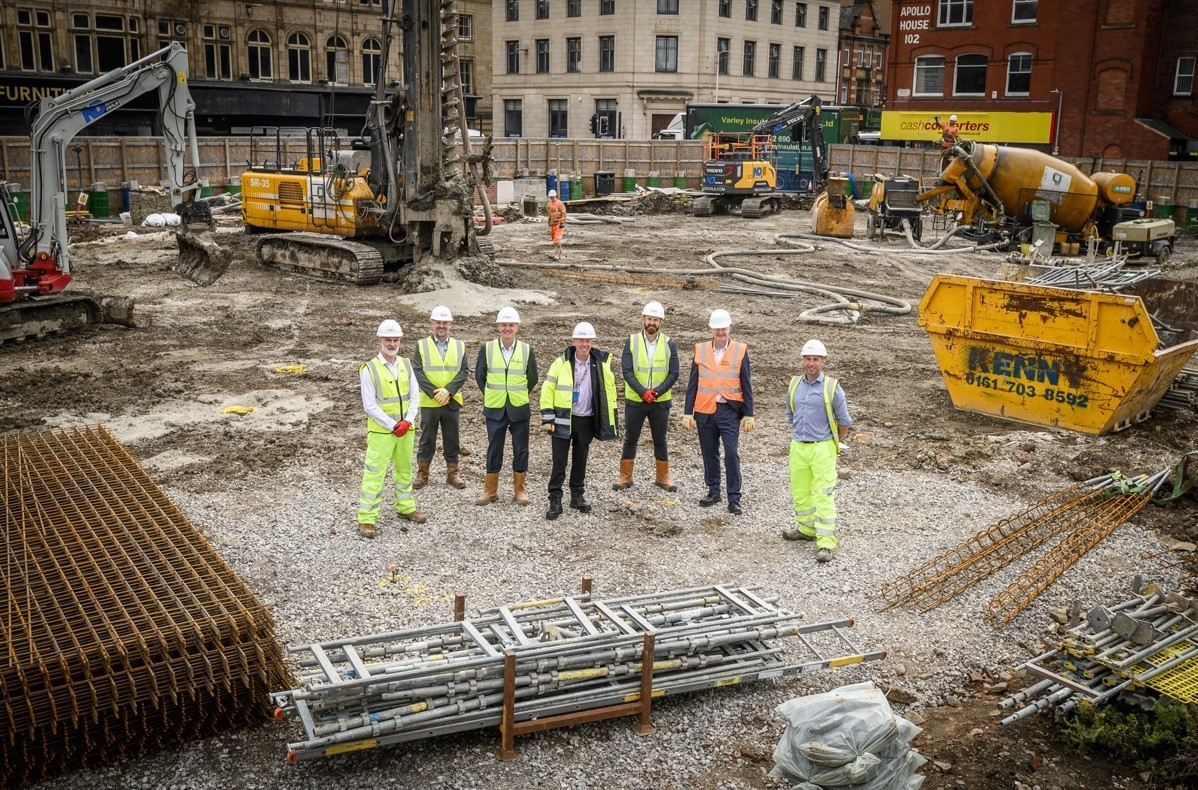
625, 480
452, 477
663, 477
490, 489
421, 475
367, 530
416, 517
518, 485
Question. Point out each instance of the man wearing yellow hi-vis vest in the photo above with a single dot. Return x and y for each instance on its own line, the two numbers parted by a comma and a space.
388, 389
578, 405
650, 367
440, 367
506, 372
819, 424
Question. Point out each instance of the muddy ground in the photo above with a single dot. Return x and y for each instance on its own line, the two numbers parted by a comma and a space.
161, 388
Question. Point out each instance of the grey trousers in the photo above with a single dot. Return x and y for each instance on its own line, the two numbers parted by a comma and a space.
449, 421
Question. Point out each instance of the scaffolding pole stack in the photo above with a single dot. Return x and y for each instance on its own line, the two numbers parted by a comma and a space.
552, 663
123, 630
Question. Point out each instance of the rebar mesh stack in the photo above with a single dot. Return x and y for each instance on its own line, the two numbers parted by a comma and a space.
123, 630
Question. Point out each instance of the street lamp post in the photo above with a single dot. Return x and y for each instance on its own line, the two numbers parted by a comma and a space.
1056, 136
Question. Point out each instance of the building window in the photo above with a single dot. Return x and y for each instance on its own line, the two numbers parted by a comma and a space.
1023, 11
574, 55
751, 10
574, 8
466, 27
1183, 78
722, 47
513, 57
218, 54
726, 9
955, 12
1019, 74
929, 76
35, 40
667, 6
336, 60
259, 51
542, 56
606, 117
823, 17
513, 118
800, 15
607, 53
667, 54
846, 58
542, 9
970, 76
796, 63
372, 61
559, 118
513, 10
466, 70
775, 60
607, 7
821, 65
299, 57
775, 12
878, 60
84, 62
750, 58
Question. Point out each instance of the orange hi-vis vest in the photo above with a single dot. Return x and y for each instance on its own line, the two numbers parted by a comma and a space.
557, 213
722, 379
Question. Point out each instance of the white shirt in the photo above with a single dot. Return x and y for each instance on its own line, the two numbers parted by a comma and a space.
507, 351
370, 402
719, 358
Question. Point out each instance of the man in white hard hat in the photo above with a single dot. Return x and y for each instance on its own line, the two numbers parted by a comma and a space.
557, 222
506, 372
719, 400
819, 424
441, 370
578, 405
950, 133
650, 367
388, 388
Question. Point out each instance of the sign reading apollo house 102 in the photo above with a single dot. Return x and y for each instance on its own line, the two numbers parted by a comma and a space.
912, 19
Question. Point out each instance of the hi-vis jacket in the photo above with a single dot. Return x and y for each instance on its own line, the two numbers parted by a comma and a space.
557, 395
719, 379
438, 371
506, 386
393, 395
641, 372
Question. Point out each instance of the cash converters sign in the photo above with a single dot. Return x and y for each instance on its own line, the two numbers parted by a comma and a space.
986, 127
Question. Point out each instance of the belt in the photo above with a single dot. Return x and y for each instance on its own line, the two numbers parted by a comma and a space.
811, 441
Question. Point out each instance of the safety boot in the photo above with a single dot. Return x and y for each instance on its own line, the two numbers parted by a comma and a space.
416, 517
625, 480
555, 508
490, 489
663, 477
452, 477
518, 486
367, 530
421, 479
579, 502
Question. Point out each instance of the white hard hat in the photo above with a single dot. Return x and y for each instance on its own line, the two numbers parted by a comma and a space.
952, 117
389, 328
508, 315
553, 193
584, 331
654, 310
441, 313
720, 319
814, 348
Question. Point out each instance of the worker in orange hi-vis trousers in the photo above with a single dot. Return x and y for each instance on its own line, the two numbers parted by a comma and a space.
557, 222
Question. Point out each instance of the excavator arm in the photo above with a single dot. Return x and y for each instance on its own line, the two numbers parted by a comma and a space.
803, 120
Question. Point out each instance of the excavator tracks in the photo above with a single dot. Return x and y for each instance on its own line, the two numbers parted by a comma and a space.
703, 206
38, 318
755, 207
325, 258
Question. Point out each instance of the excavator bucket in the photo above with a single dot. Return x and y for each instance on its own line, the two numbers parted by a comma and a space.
201, 259
833, 214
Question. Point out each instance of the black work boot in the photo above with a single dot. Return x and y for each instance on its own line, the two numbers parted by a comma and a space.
555, 508
579, 502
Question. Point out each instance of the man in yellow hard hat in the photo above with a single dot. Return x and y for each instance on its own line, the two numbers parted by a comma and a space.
441, 370
650, 367
506, 372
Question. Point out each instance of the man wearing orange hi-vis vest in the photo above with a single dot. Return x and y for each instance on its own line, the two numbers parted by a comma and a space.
719, 402
819, 420
557, 222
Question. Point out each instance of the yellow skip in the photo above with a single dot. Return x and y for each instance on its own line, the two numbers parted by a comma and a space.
240, 411
295, 370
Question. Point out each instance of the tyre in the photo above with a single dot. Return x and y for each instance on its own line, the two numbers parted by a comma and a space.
917, 229
871, 226
1163, 254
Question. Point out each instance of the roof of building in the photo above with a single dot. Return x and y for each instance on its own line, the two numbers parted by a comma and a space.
1164, 129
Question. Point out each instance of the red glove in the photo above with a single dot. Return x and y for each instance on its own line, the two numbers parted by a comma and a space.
401, 427
649, 396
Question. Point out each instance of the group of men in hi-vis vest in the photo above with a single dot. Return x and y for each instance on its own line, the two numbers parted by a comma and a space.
578, 405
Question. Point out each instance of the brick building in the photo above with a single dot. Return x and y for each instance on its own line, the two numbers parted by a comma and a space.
864, 38
1103, 63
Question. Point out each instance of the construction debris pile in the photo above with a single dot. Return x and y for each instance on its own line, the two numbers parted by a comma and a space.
1183, 393
1135, 650
1077, 519
564, 656
847, 737
124, 630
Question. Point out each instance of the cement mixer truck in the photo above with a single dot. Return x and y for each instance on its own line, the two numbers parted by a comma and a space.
1030, 192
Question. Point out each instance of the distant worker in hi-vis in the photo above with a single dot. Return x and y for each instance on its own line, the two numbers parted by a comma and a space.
557, 222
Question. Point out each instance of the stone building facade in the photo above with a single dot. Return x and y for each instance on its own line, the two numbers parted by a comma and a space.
864, 39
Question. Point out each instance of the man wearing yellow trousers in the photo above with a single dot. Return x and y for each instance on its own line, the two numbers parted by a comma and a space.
819, 424
389, 398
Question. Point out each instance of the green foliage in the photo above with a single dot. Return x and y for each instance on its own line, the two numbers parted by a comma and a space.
1163, 741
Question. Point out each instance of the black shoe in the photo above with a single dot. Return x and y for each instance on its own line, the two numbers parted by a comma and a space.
709, 500
734, 508
579, 503
555, 509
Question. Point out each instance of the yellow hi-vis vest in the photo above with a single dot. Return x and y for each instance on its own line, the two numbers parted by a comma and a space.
830, 385
440, 370
391, 394
557, 398
649, 372
506, 382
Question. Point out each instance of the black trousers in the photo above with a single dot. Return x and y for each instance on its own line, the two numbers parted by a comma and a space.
496, 428
635, 414
578, 447
450, 421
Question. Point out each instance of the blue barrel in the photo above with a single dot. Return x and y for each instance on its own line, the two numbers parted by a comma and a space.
550, 182
126, 197
564, 192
